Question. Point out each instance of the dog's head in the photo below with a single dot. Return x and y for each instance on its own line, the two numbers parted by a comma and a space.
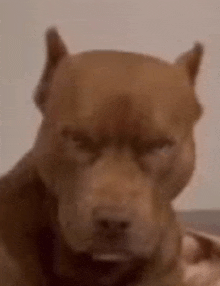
116, 145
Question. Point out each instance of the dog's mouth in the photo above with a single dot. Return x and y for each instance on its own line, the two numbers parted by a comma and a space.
110, 267
101, 268
100, 264
116, 257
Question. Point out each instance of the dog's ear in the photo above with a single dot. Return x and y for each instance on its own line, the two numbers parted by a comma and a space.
55, 51
191, 61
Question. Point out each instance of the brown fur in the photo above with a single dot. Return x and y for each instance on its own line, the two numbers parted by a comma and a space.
201, 259
116, 141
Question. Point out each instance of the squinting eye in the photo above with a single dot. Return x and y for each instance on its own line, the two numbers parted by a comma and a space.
81, 141
163, 150
85, 144
159, 147
79, 146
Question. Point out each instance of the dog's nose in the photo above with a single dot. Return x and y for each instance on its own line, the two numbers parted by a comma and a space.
111, 220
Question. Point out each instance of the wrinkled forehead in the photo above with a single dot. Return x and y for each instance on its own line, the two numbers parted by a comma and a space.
121, 92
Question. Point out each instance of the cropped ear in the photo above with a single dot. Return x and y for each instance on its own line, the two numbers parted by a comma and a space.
191, 61
55, 51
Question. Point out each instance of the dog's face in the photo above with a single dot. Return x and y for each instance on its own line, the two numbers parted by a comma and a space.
116, 146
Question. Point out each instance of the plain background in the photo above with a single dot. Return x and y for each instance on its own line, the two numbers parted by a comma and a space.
163, 28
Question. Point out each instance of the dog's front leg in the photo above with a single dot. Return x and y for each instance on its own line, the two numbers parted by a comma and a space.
20, 219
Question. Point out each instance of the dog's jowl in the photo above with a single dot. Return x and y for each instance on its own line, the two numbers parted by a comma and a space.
115, 147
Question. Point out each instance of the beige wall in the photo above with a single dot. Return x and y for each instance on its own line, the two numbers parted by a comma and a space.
161, 27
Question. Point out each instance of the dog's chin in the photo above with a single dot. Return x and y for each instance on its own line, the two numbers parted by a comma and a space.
111, 268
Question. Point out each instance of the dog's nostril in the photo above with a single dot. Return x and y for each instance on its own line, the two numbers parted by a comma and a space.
124, 225
104, 224
113, 225
108, 219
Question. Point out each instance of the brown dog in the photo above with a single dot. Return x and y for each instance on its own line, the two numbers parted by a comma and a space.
91, 202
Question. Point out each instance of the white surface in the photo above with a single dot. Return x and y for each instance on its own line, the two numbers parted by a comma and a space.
164, 28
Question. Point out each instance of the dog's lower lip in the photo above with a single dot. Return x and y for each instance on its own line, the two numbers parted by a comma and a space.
110, 257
